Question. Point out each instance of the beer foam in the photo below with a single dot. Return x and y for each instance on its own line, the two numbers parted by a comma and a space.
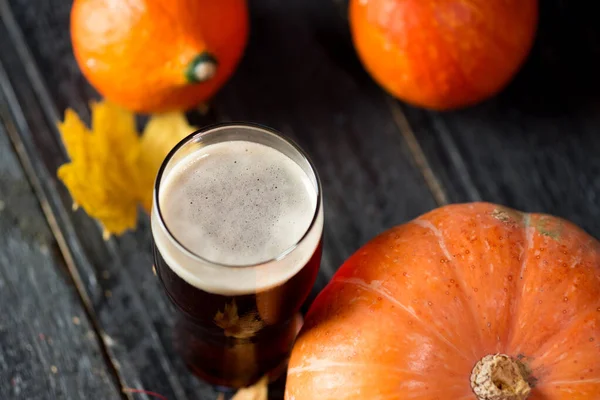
236, 203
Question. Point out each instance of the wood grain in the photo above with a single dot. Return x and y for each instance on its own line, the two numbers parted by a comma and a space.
288, 80
48, 347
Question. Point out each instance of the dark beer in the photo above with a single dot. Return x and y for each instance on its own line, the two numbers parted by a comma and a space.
237, 246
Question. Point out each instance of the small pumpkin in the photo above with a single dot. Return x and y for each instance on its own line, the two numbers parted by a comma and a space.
443, 54
152, 56
468, 301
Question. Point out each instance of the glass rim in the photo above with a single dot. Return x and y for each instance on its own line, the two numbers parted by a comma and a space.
205, 131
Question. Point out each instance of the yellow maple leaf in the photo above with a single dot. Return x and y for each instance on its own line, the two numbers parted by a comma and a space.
112, 169
161, 134
235, 326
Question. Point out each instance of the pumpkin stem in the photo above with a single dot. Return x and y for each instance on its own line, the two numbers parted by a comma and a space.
202, 68
500, 377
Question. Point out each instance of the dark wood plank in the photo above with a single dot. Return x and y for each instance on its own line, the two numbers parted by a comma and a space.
48, 347
535, 145
133, 328
292, 79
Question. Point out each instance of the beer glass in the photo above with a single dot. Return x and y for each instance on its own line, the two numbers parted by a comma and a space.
237, 225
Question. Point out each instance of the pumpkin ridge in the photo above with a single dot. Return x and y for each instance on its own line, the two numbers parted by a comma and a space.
574, 382
324, 364
459, 277
550, 340
516, 298
577, 258
563, 276
369, 287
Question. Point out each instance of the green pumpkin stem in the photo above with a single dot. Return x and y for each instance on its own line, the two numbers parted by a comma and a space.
202, 68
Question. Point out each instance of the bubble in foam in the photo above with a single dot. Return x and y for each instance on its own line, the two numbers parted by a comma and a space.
237, 217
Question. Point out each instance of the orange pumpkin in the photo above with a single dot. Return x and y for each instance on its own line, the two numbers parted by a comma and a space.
443, 54
154, 55
469, 301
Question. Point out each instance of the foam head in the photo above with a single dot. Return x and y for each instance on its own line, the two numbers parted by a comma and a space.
229, 209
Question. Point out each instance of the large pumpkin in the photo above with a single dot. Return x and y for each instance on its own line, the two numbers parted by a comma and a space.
470, 301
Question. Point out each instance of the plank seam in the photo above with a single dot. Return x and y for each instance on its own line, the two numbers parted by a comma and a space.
11, 119
67, 256
25, 56
65, 230
416, 151
457, 160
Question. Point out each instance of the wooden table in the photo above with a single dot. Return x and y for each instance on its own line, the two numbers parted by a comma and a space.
81, 317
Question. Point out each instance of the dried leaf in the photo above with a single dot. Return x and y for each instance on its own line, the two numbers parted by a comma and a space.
258, 391
112, 170
161, 134
235, 326
102, 167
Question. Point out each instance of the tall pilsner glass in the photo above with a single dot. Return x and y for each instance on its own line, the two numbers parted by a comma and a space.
237, 226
